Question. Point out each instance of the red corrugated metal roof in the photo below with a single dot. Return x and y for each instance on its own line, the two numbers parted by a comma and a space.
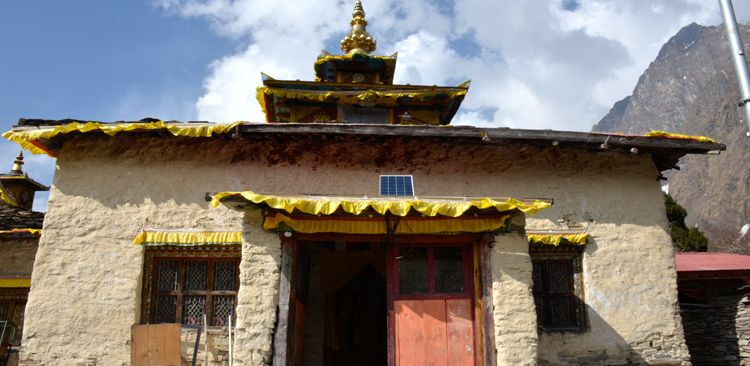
706, 262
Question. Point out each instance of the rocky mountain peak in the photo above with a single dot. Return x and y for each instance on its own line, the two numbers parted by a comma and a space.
690, 88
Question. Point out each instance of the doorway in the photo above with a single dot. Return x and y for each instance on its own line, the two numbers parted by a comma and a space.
370, 303
345, 307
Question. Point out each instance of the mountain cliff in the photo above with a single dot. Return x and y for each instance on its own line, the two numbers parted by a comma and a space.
691, 88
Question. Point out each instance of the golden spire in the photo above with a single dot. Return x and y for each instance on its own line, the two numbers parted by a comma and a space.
17, 165
358, 40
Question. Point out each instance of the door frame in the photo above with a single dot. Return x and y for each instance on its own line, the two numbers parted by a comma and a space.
478, 250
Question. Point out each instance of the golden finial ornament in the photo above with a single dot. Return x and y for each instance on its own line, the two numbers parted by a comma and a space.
18, 165
358, 40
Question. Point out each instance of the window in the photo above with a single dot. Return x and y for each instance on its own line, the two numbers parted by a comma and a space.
183, 285
432, 271
12, 305
366, 115
558, 290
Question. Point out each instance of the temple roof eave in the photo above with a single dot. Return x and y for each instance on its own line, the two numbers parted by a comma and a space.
320, 85
445, 99
335, 92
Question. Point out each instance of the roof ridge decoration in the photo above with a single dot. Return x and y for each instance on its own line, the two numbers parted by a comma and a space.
358, 40
17, 168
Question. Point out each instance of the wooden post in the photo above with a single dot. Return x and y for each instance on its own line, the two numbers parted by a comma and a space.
285, 320
229, 331
205, 343
485, 258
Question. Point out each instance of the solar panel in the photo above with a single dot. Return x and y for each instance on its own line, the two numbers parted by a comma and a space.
396, 185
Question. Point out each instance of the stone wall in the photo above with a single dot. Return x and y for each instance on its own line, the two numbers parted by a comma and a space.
87, 278
718, 332
631, 298
513, 302
218, 347
258, 296
17, 257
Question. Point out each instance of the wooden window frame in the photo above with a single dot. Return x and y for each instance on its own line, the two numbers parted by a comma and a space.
572, 255
211, 254
467, 265
13, 298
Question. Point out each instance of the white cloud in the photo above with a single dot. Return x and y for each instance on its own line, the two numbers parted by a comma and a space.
424, 59
533, 63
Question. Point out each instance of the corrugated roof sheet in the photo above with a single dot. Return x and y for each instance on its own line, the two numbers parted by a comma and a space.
707, 262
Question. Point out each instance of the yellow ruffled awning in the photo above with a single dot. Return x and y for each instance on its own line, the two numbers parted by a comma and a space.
15, 282
187, 237
403, 225
22, 231
557, 238
29, 139
676, 136
314, 205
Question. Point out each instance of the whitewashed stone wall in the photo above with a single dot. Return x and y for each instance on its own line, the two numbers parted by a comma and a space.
258, 296
87, 278
218, 347
514, 315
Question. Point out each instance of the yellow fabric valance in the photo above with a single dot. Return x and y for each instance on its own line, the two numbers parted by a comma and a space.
392, 205
15, 282
669, 135
187, 238
22, 231
557, 239
29, 139
405, 225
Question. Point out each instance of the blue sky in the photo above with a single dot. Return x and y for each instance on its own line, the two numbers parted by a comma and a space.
98, 60
535, 64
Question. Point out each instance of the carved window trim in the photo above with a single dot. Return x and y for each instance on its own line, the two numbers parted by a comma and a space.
545, 255
210, 253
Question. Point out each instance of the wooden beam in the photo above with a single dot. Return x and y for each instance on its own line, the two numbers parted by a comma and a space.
285, 316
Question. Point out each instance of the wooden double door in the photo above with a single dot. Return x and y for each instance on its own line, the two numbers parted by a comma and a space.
430, 305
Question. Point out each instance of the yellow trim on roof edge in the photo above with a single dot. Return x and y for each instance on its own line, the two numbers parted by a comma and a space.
27, 138
187, 238
394, 206
21, 231
676, 136
15, 282
557, 239
406, 225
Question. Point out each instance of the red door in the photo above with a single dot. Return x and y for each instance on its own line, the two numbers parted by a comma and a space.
431, 305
